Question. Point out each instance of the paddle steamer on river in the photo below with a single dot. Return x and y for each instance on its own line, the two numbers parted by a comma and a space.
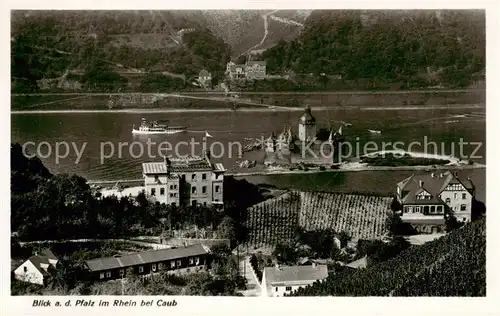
157, 127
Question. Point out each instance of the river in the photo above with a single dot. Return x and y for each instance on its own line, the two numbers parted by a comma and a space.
101, 131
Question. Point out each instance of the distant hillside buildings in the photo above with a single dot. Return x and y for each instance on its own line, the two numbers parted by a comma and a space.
190, 181
426, 199
251, 70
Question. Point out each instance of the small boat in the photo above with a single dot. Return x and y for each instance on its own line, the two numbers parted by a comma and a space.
157, 128
374, 131
271, 107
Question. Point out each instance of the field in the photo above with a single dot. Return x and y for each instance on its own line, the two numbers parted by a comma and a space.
276, 220
453, 265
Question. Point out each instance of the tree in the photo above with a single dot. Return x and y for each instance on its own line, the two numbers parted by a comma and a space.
344, 238
227, 229
452, 223
285, 254
397, 227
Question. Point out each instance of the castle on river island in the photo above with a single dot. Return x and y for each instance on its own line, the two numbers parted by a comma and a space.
288, 148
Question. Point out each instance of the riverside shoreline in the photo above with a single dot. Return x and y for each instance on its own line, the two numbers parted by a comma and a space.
358, 169
259, 109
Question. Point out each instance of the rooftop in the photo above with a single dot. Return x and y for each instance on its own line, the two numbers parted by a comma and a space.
307, 117
433, 183
286, 274
256, 62
145, 257
358, 264
181, 165
43, 258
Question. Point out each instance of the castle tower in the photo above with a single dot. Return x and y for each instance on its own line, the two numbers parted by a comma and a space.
307, 126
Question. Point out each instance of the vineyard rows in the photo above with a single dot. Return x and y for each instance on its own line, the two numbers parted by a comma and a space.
453, 265
276, 220
361, 216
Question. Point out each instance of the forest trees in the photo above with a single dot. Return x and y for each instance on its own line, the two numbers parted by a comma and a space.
416, 49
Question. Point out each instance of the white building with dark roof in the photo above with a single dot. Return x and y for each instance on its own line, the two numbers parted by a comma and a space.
426, 198
251, 70
280, 280
180, 260
190, 181
37, 268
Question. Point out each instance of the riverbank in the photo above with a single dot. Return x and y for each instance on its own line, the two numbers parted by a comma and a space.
260, 109
353, 167
361, 92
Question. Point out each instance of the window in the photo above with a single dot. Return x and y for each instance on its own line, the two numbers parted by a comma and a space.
193, 177
448, 200
197, 260
153, 192
204, 189
204, 203
187, 270
288, 288
455, 196
433, 209
171, 187
191, 260
108, 274
216, 176
153, 267
417, 209
464, 196
141, 269
172, 264
439, 209
463, 207
101, 275
171, 195
25, 269
162, 191
173, 204
216, 188
276, 289
157, 179
179, 263
160, 266
122, 273
193, 190
203, 176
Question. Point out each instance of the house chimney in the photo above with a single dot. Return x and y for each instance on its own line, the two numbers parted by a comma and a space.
421, 183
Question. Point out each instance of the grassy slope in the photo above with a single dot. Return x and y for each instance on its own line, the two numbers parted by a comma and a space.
454, 265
